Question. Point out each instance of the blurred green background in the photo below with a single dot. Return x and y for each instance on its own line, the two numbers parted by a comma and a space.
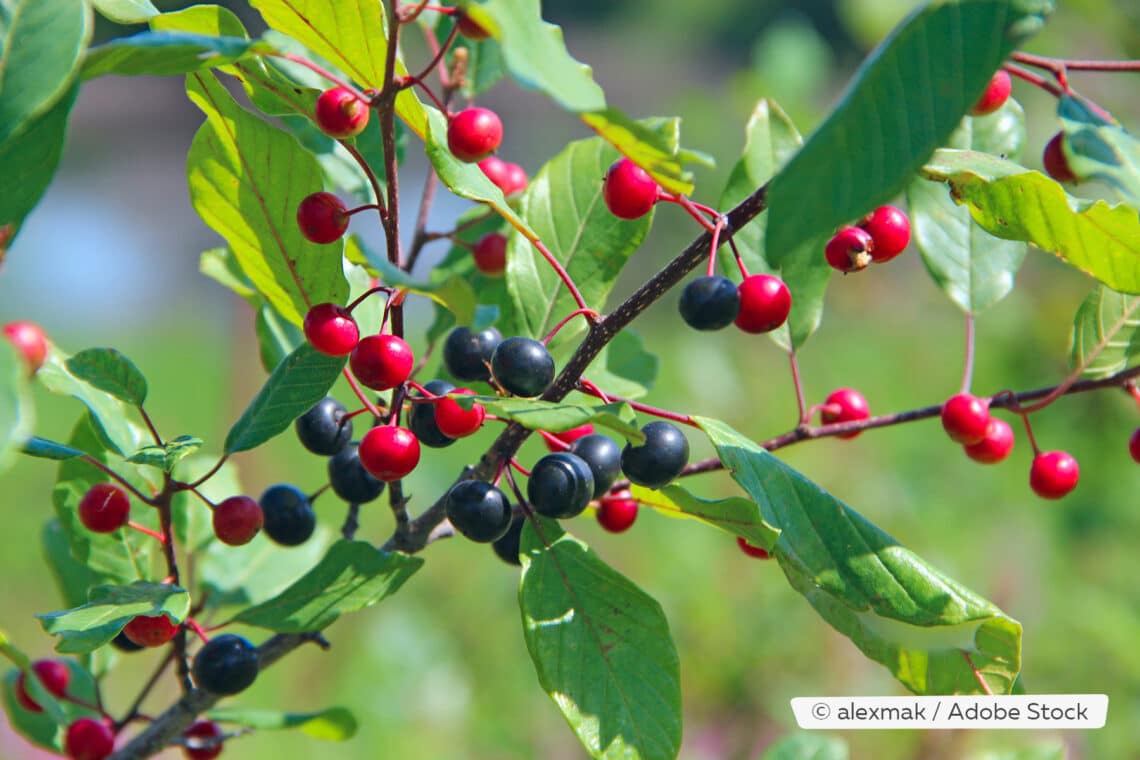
440, 670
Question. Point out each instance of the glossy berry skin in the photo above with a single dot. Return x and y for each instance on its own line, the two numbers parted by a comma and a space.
508, 177
629, 191
568, 436
104, 508
322, 217
237, 520
289, 519
889, 229
389, 452
470, 29
381, 362
198, 736
995, 446
490, 254
659, 460
1054, 474
560, 485
710, 303
516, 180
506, 547
849, 250
997, 92
474, 134
765, 303
618, 512
331, 329
752, 551
29, 341
123, 644
340, 114
226, 665
1134, 446
478, 510
150, 631
603, 456
467, 353
53, 676
965, 418
348, 478
1056, 165
850, 406
421, 420
522, 367
453, 420
323, 429
89, 739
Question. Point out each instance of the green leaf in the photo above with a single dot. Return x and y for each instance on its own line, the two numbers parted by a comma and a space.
45, 449
975, 268
336, 724
905, 100
166, 456
110, 415
246, 179
655, 150
900, 611
86, 628
16, 411
770, 140
220, 266
601, 647
296, 384
352, 576
127, 11
1099, 148
563, 205
28, 160
40, 44
163, 54
453, 293
559, 416
624, 367
1011, 203
72, 577
735, 515
46, 729
193, 520
111, 372
1106, 333
807, 747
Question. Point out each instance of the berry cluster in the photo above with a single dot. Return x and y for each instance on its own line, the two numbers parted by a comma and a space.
881, 236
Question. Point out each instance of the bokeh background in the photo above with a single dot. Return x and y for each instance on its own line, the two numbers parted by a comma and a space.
440, 670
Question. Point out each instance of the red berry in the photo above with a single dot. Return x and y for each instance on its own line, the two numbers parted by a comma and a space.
237, 520
331, 329
453, 420
389, 452
1134, 445
89, 739
491, 254
1056, 164
516, 179
198, 740
765, 302
1054, 474
382, 362
470, 29
510, 178
849, 250
751, 550
150, 631
996, 444
629, 191
890, 233
53, 676
474, 134
104, 508
322, 217
617, 512
341, 114
29, 340
846, 405
997, 92
966, 418
569, 436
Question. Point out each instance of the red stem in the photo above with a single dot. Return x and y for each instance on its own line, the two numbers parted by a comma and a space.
554, 440
519, 467
369, 292
122, 481
588, 387
193, 625
360, 394
326, 74
419, 78
801, 402
561, 272
590, 315
143, 529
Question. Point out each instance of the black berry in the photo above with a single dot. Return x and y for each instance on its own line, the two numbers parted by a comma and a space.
507, 547
349, 480
659, 460
226, 665
323, 429
603, 456
289, 517
123, 644
478, 510
710, 303
560, 485
422, 421
523, 367
466, 352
